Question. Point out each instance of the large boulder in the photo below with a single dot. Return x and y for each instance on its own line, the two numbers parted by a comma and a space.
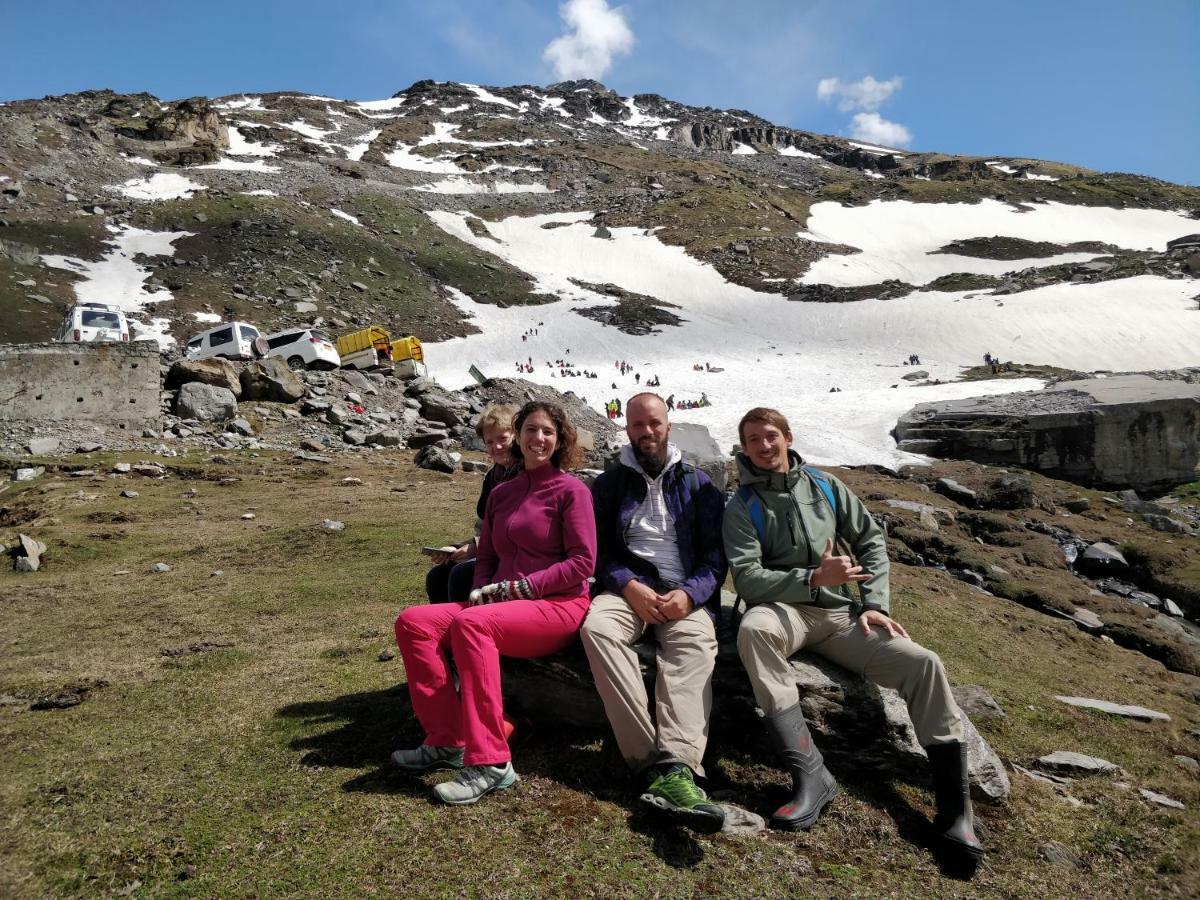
439, 406
205, 403
271, 379
851, 716
217, 372
701, 450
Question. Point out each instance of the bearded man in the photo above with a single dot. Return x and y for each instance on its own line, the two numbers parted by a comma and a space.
660, 565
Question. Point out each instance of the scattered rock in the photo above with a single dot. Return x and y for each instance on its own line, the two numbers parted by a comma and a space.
248, 517
976, 702
1101, 559
1160, 799
1059, 855
241, 426
1116, 709
88, 447
387, 654
948, 487
1079, 763
27, 555
435, 458
384, 437
271, 379
333, 525
205, 403
741, 822
215, 372
354, 436
915, 376
476, 465
43, 446
1171, 608
160, 568
1087, 620
313, 445
28, 473
1077, 504
1010, 492
421, 439
1189, 763
130, 495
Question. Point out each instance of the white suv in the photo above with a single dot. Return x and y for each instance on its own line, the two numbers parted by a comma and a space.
235, 340
304, 347
89, 322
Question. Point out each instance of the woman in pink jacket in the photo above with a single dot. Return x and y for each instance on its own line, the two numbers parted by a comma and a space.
536, 552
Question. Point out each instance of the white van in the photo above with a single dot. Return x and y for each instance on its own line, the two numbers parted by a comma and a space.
304, 347
90, 322
233, 340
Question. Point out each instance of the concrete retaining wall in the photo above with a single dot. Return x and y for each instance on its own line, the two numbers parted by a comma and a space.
117, 384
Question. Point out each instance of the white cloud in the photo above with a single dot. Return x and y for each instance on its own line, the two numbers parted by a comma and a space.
875, 129
595, 34
867, 94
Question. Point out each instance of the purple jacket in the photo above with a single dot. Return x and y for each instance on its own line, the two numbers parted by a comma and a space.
539, 526
695, 506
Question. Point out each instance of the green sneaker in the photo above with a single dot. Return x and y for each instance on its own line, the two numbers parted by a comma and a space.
426, 758
475, 782
676, 794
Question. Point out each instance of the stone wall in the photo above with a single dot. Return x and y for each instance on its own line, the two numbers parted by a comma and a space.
1123, 431
116, 384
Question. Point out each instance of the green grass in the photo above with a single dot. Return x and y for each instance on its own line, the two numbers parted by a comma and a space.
263, 764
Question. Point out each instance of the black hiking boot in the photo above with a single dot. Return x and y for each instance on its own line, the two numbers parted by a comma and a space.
954, 823
813, 787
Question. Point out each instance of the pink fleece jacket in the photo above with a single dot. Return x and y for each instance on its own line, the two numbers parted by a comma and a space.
539, 526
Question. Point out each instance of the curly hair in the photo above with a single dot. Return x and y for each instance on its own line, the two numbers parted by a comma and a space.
567, 452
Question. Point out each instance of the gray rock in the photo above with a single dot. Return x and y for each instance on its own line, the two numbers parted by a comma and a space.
241, 426
43, 446
1166, 524
915, 376
1079, 763
699, 449
205, 403
741, 822
940, 513
1010, 492
1059, 855
434, 458
311, 457
1189, 763
314, 406
354, 436
216, 372
1087, 619
28, 554
976, 702
304, 306
1077, 504
354, 397
313, 445
28, 473
360, 382
121, 468
387, 654
88, 447
1116, 709
1102, 559
130, 495
160, 568
359, 286
333, 525
1161, 799
384, 437
438, 406
271, 379
21, 254
420, 439
476, 465
948, 487
1171, 608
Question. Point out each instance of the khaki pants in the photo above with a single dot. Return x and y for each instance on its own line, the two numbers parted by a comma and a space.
772, 632
687, 652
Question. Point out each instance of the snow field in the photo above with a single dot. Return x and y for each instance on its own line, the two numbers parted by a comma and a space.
159, 186
789, 355
116, 280
897, 237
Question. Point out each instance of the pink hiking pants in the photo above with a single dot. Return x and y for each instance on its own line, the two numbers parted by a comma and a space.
477, 636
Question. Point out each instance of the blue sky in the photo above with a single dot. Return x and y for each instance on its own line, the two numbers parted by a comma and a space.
1111, 84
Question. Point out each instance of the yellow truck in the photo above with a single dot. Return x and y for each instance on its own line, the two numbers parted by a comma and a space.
373, 347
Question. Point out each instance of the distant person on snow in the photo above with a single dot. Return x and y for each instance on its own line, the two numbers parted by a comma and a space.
784, 531
537, 549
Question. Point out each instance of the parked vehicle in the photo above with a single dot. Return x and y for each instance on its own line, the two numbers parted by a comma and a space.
304, 347
93, 322
232, 340
373, 347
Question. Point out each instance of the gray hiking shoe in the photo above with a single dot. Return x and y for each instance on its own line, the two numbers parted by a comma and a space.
426, 758
475, 782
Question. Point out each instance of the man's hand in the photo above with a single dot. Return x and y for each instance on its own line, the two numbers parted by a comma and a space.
881, 620
835, 570
644, 602
675, 604
458, 554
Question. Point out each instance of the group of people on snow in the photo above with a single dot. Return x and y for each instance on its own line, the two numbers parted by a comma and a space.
645, 552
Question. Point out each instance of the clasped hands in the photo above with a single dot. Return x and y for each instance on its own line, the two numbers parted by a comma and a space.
501, 591
654, 608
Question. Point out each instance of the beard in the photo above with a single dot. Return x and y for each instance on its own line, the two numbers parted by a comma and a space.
651, 456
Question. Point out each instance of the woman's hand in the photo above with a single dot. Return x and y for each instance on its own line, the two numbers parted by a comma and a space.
501, 591
461, 553
449, 554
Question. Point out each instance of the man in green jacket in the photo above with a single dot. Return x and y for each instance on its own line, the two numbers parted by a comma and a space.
785, 532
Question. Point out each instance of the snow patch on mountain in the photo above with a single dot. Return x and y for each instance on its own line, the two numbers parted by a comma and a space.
159, 186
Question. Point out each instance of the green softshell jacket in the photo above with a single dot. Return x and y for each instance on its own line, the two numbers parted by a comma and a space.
798, 522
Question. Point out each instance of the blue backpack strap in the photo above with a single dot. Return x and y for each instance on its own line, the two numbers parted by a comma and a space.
755, 508
822, 482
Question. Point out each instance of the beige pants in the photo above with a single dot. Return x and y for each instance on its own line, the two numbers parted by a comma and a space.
687, 652
772, 632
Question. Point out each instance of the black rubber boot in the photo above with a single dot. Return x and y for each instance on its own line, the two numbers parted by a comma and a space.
954, 822
813, 787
